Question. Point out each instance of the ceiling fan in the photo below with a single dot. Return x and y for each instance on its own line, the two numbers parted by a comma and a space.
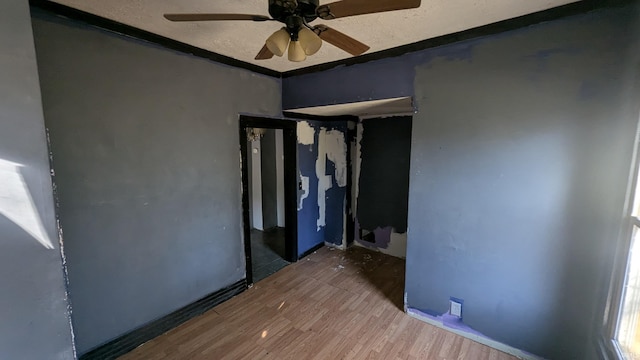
298, 35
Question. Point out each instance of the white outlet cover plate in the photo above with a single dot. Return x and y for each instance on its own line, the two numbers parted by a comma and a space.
455, 308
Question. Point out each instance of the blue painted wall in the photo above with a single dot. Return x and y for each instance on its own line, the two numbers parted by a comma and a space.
335, 198
309, 235
520, 156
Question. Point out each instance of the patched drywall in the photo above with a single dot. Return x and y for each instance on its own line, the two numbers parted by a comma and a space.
146, 153
322, 162
306, 133
331, 148
34, 309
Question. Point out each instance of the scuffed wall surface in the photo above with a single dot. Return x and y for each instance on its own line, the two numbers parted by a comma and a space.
34, 318
384, 149
147, 159
322, 162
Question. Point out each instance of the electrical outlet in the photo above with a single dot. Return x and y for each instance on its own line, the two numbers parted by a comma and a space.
455, 307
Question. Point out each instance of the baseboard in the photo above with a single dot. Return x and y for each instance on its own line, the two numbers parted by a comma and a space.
131, 340
480, 339
311, 251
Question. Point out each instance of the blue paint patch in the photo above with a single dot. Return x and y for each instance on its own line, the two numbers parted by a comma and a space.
334, 208
308, 235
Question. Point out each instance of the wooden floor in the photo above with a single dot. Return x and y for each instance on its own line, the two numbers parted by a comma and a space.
330, 305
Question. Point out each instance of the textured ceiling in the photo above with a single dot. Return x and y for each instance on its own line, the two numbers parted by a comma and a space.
243, 39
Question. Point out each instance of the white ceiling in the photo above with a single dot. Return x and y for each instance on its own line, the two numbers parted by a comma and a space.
243, 39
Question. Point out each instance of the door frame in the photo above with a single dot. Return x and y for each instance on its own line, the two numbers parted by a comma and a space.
290, 178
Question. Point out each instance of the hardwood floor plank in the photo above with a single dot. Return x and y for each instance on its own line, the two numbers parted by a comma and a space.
330, 305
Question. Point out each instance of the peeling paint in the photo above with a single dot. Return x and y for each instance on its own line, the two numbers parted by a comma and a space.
356, 164
304, 181
324, 180
332, 147
305, 133
336, 150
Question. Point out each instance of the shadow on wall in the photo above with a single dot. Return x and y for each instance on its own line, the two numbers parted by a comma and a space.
17, 204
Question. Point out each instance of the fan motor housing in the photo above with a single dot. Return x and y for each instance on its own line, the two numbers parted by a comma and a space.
282, 9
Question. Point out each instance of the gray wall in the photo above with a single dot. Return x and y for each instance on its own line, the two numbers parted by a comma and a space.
269, 180
520, 153
34, 321
146, 153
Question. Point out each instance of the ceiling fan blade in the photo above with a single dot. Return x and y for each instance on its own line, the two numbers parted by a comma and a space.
340, 40
344, 8
264, 54
215, 17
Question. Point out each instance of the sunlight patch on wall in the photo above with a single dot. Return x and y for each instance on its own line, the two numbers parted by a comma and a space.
16, 203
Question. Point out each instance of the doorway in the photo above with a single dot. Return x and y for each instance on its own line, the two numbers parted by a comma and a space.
269, 192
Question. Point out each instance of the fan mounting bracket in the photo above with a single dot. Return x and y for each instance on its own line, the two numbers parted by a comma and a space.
281, 10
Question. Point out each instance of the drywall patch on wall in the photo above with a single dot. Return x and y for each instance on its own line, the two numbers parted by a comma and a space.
324, 181
397, 245
324, 176
335, 201
308, 233
336, 148
306, 133
304, 185
331, 148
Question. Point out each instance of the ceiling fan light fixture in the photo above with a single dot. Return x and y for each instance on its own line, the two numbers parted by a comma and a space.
277, 43
310, 42
296, 52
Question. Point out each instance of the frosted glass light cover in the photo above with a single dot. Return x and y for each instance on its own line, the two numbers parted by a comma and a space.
277, 43
310, 42
296, 52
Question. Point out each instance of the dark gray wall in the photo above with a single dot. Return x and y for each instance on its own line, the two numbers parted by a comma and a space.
383, 185
147, 157
269, 180
34, 321
520, 154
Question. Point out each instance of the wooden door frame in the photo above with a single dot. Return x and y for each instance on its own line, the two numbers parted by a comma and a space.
290, 178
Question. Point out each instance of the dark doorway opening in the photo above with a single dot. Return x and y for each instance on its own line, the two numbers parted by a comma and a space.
270, 239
